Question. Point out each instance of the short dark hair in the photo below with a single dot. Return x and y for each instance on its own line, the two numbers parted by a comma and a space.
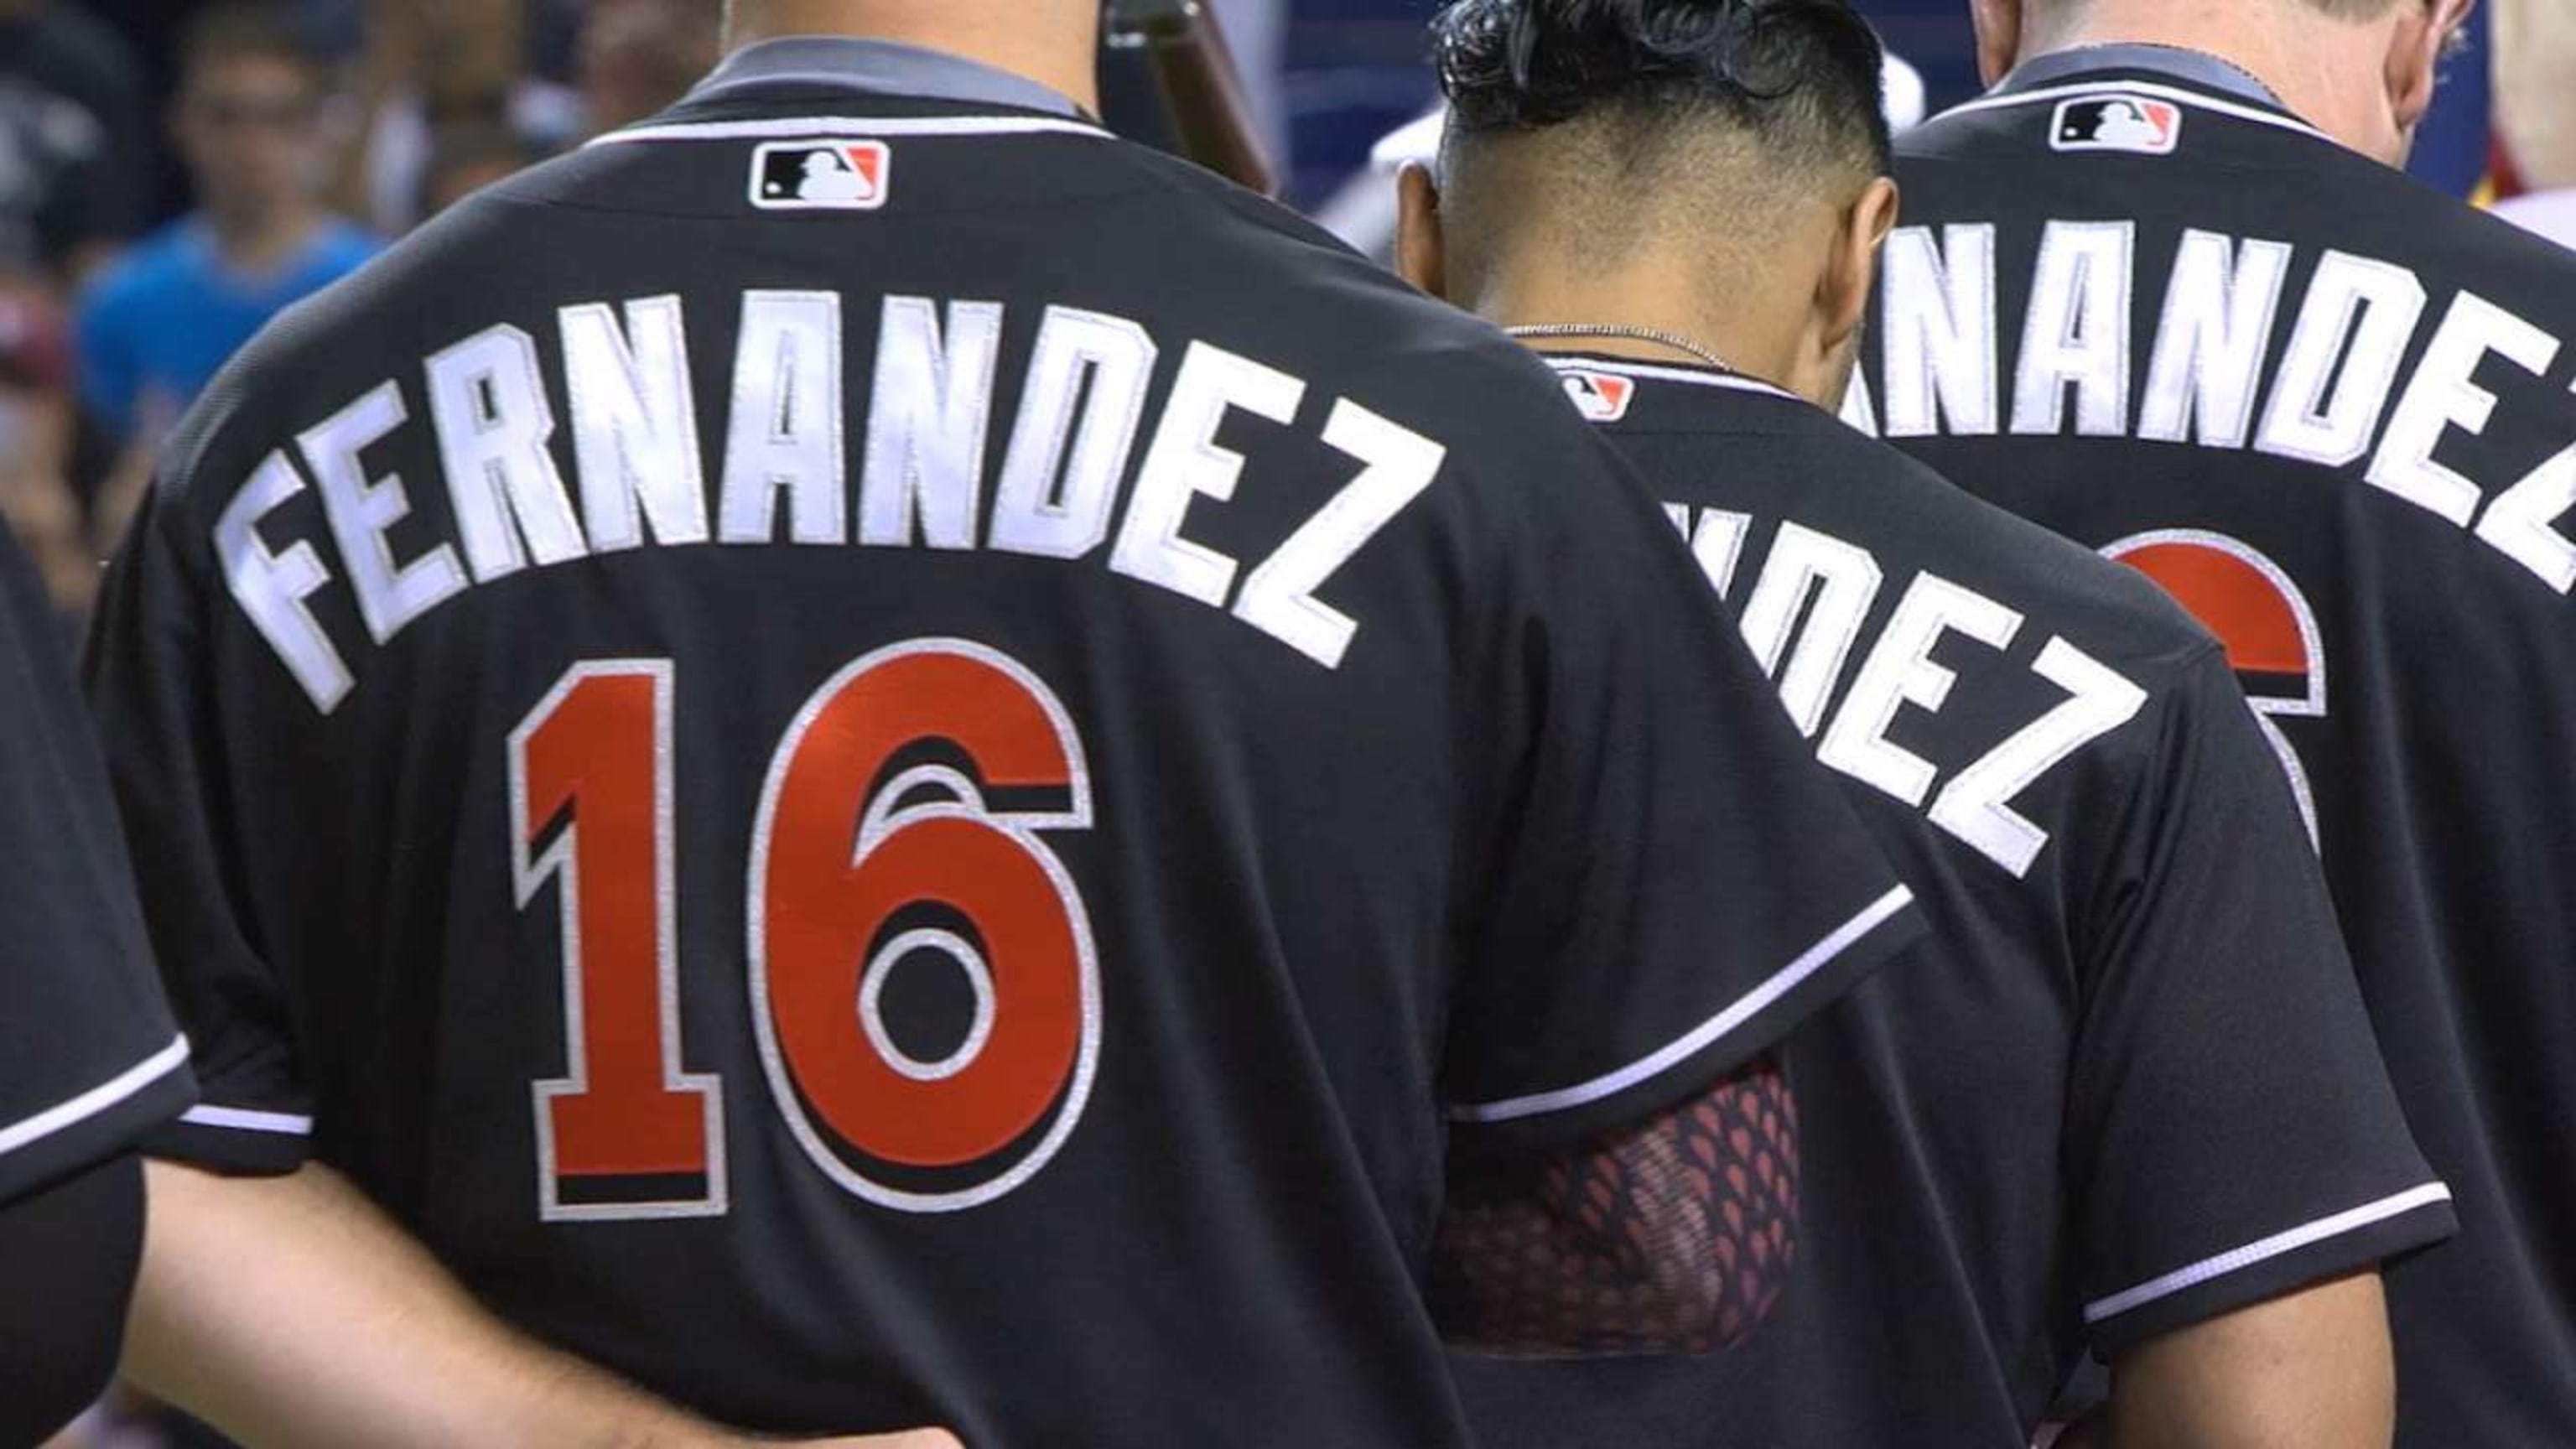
250, 29
1800, 77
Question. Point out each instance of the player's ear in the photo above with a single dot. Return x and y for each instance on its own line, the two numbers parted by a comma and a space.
1421, 250
1998, 36
2415, 52
1842, 295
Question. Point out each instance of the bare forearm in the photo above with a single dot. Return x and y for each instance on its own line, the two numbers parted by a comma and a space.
1677, 1235
290, 1313
2309, 1370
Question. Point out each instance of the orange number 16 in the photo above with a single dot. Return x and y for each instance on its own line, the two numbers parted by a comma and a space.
899, 828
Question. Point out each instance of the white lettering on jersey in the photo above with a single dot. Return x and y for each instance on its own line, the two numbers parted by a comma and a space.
2078, 331
1105, 365
2330, 388
2342, 360
1940, 324
1718, 544
1899, 672
1186, 462
272, 587
1279, 596
2523, 521
635, 446
488, 403
2445, 395
1976, 805
2208, 364
926, 423
390, 595
1843, 580
786, 432
634, 423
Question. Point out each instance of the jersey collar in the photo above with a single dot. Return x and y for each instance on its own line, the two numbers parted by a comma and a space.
1606, 389
879, 66
1681, 372
2147, 70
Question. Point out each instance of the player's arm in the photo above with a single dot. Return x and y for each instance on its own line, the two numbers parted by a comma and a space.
67, 1252
89, 1058
1679, 1233
291, 1314
2309, 1370
2237, 1149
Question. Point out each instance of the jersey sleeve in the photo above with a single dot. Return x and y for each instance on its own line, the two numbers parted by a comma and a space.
89, 1057
1674, 883
147, 678
2239, 1136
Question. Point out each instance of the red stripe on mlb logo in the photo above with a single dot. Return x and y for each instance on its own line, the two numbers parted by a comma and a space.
821, 175
1602, 397
2139, 125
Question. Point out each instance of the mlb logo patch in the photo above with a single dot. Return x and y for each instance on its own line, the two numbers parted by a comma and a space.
821, 175
1602, 397
2133, 124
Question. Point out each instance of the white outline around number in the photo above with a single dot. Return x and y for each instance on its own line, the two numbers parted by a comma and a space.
2311, 635
529, 875
880, 823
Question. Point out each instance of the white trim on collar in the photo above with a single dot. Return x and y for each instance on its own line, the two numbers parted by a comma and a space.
2180, 95
819, 127
1728, 382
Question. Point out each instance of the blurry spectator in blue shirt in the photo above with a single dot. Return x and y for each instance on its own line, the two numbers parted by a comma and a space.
252, 122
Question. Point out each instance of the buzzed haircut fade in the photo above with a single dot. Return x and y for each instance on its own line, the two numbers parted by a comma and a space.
1801, 78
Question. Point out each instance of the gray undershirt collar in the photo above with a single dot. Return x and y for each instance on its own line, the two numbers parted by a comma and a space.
881, 66
2207, 71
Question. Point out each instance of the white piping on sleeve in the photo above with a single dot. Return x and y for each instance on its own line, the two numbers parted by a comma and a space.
107, 1094
1708, 1033
242, 1119
2238, 1260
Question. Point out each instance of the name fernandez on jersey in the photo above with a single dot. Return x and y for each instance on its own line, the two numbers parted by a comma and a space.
640, 473
1804, 618
2335, 393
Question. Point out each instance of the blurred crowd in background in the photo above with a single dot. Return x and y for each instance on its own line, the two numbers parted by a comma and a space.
175, 172
172, 175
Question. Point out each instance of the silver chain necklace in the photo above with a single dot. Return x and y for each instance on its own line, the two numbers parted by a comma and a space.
1673, 340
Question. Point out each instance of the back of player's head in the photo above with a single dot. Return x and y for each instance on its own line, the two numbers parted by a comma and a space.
1799, 80
1710, 164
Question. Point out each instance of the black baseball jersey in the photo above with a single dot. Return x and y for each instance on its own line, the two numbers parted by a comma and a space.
2330, 410
89, 1059
886, 761
2129, 1084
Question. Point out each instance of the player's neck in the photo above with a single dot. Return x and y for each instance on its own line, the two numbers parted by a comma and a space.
2326, 73
1053, 43
1645, 295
